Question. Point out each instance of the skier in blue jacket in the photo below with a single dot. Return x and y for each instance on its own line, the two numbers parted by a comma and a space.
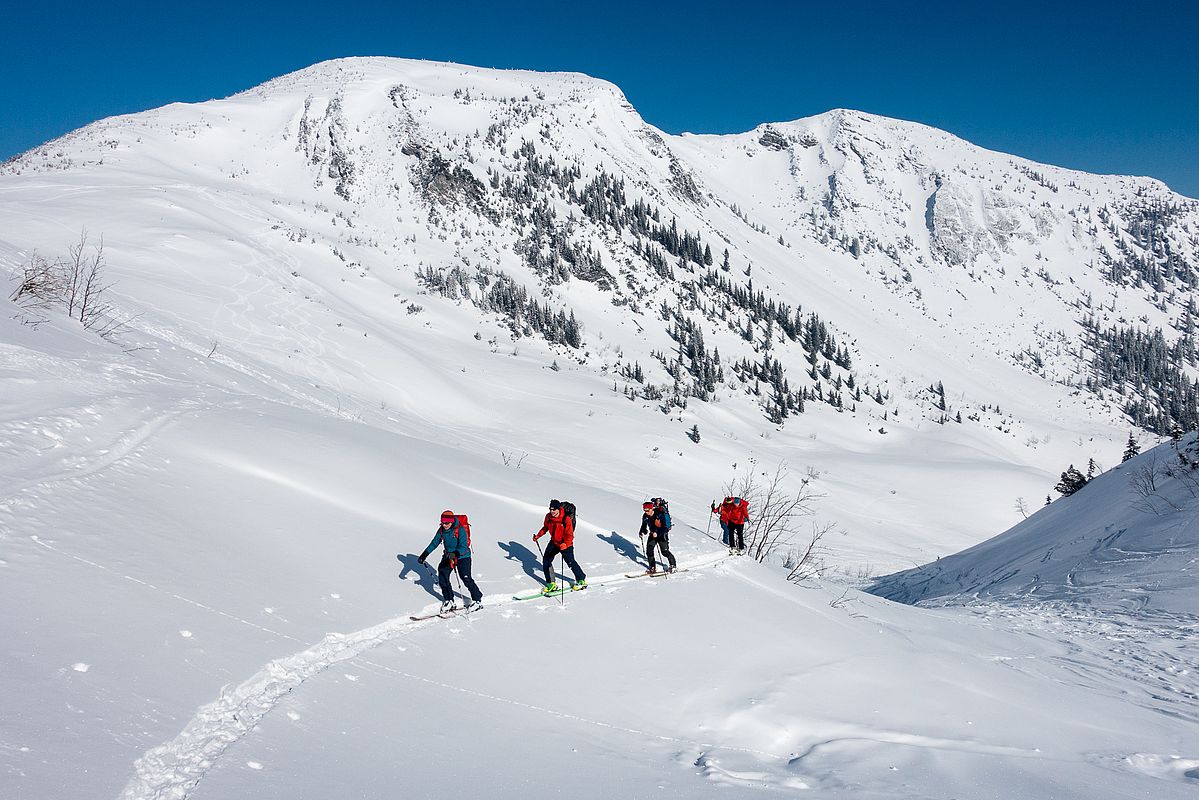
655, 523
454, 534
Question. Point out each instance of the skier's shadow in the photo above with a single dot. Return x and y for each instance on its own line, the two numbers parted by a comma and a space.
424, 575
529, 561
622, 546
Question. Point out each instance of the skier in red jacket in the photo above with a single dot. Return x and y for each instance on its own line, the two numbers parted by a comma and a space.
723, 510
738, 515
561, 527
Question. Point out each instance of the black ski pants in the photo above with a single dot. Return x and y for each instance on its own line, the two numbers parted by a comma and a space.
663, 544
547, 562
737, 534
443, 578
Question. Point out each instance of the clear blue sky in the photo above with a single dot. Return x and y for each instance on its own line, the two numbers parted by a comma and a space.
1101, 86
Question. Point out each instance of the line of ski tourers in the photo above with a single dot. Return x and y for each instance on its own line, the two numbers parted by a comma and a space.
453, 534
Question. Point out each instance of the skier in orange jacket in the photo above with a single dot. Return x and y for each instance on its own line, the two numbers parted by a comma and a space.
560, 525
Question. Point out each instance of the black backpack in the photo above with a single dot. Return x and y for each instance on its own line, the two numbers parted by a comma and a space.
661, 502
568, 508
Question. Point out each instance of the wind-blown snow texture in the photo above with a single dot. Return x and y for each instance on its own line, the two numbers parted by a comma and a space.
199, 520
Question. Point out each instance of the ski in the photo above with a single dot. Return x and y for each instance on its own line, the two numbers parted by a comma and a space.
555, 593
453, 612
653, 574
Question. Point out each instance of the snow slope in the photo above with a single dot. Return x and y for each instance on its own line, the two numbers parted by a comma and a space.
1128, 539
228, 539
199, 520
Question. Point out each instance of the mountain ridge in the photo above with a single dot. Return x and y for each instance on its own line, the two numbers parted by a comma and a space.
864, 270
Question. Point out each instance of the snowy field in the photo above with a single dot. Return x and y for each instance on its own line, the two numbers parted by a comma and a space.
208, 605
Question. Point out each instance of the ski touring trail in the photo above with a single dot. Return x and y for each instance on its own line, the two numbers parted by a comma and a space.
172, 770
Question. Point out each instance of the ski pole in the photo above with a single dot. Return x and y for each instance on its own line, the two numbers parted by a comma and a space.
432, 574
708, 532
540, 552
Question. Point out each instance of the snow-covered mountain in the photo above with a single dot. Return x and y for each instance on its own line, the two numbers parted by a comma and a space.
365, 217
377, 288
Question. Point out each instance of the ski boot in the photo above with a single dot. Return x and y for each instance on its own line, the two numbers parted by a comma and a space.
578, 585
447, 606
550, 588
472, 605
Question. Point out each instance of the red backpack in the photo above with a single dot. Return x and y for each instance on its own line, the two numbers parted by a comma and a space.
464, 524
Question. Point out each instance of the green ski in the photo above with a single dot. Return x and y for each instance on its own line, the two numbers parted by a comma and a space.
555, 593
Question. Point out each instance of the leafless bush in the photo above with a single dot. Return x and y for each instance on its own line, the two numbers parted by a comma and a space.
1185, 471
39, 284
846, 602
809, 563
1145, 481
773, 509
74, 282
1022, 507
511, 460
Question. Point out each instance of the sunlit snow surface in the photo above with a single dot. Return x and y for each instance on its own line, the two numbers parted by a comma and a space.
199, 524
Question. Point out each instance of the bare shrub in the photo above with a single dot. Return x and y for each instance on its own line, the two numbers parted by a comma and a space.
510, 459
1022, 507
810, 563
773, 510
1145, 481
39, 284
1185, 471
74, 283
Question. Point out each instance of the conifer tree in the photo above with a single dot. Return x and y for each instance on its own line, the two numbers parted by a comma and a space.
1072, 480
1132, 449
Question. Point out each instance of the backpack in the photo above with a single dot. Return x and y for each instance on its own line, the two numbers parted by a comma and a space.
464, 524
662, 503
568, 508
665, 521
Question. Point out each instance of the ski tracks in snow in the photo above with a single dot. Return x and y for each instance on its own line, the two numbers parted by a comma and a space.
172, 770
73, 465
1151, 649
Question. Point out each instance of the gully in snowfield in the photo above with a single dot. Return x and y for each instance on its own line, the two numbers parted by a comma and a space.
560, 525
655, 523
454, 533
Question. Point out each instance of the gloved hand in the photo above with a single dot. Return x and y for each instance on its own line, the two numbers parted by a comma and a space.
536, 537
713, 508
421, 559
